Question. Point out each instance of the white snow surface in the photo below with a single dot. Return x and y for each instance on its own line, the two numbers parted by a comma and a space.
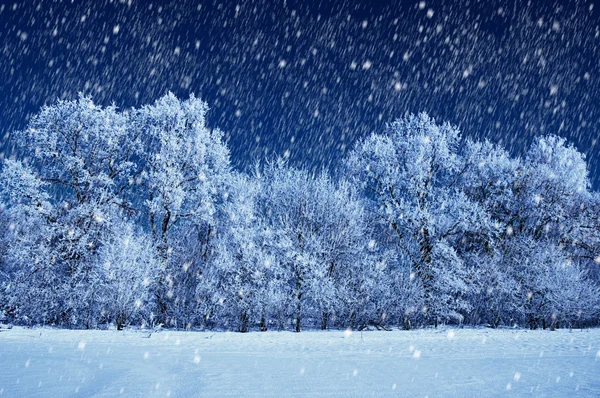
444, 362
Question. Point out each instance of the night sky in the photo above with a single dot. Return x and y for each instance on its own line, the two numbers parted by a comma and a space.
306, 79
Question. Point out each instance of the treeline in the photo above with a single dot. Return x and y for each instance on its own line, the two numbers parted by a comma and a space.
137, 218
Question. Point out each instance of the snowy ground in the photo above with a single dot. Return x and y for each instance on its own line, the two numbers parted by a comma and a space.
434, 363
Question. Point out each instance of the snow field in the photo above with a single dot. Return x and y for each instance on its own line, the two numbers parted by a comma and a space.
433, 363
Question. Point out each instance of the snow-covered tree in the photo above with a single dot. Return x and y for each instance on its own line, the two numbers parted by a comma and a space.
238, 278
81, 161
314, 230
539, 207
488, 180
128, 265
185, 169
586, 244
410, 174
135, 217
32, 283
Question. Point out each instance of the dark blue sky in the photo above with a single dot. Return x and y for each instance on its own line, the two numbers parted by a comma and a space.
309, 78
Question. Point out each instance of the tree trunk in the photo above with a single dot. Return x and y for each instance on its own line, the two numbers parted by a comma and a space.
324, 320
162, 290
298, 315
406, 323
425, 273
244, 322
352, 320
263, 323
161, 316
120, 320
298, 302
